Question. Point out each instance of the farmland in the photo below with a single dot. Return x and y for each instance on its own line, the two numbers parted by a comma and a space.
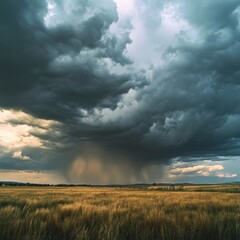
192, 212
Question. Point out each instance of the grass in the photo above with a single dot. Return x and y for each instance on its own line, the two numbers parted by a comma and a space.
225, 188
37, 213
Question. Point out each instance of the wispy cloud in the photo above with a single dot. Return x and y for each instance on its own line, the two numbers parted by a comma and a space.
200, 169
206, 168
227, 175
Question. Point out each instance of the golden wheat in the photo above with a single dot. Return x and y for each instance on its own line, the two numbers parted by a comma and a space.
40, 213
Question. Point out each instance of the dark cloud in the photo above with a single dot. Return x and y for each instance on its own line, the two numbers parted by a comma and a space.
48, 61
73, 67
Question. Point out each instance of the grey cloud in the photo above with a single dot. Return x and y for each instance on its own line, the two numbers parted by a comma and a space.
187, 107
116, 47
33, 59
212, 15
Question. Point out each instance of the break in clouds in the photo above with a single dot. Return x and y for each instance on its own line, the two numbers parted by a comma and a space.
110, 91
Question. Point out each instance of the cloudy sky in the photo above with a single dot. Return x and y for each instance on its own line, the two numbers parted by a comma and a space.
120, 91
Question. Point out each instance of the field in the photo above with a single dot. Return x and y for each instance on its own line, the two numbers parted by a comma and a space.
192, 212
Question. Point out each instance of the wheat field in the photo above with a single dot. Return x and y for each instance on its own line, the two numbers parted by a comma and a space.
56, 213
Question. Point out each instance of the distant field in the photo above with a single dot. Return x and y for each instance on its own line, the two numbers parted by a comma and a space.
36, 213
226, 188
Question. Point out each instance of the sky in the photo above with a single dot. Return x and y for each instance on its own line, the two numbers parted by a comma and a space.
119, 91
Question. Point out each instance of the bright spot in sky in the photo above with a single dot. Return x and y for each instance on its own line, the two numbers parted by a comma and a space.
125, 7
19, 130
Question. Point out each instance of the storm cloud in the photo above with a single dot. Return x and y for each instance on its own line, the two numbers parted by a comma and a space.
125, 87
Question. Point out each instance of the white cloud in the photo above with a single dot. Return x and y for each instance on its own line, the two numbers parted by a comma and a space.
17, 137
203, 170
19, 116
156, 26
125, 7
125, 107
227, 175
19, 130
20, 156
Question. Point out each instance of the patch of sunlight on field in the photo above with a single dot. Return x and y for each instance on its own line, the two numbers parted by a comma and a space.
38, 213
